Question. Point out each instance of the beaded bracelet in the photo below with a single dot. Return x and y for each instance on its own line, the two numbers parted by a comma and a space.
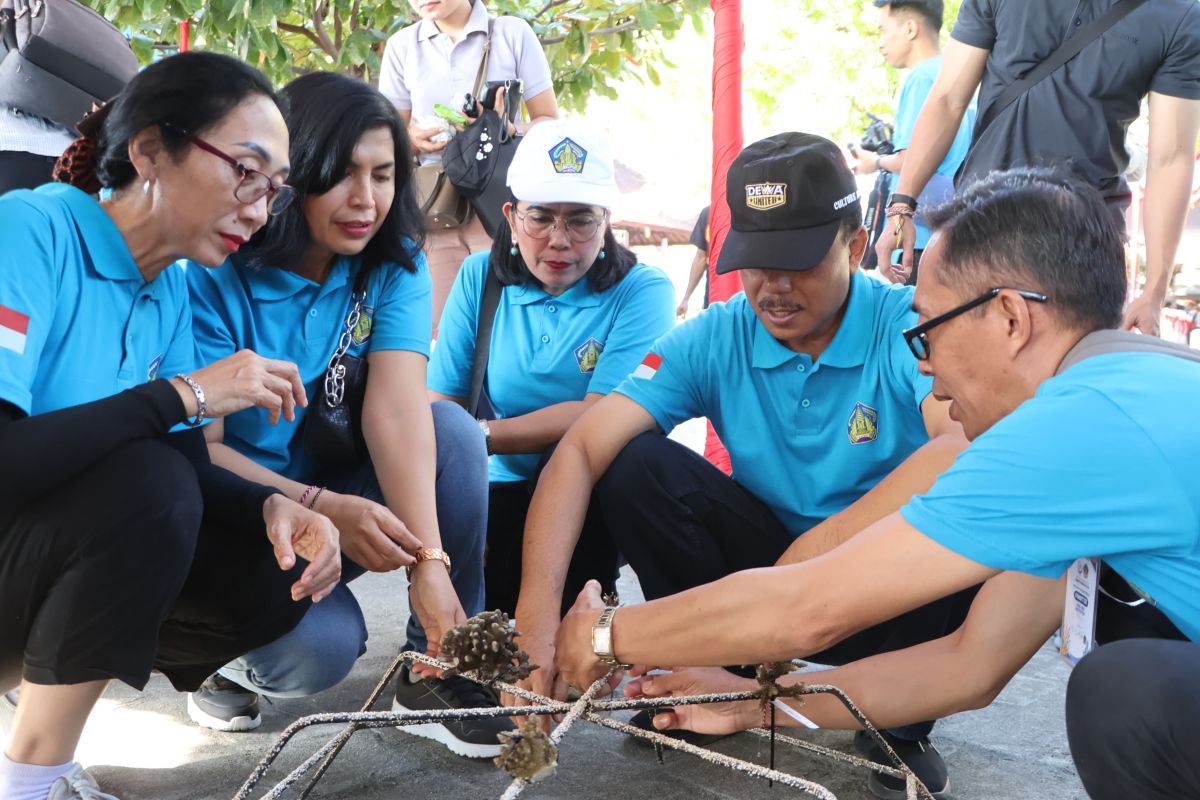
312, 504
304, 496
201, 407
899, 210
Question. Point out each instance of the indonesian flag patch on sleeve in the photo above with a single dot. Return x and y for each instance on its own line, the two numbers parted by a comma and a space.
649, 366
13, 327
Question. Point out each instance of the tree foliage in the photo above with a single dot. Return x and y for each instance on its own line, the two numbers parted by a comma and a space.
590, 43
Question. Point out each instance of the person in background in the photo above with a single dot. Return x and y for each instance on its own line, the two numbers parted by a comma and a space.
698, 271
436, 61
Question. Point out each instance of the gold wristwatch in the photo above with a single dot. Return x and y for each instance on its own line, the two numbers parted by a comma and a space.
602, 643
429, 554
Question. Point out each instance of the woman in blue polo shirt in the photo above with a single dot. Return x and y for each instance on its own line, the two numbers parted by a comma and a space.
422, 487
577, 313
105, 569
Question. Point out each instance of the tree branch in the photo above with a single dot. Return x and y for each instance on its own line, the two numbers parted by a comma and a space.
320, 9
299, 29
354, 14
624, 26
549, 5
337, 29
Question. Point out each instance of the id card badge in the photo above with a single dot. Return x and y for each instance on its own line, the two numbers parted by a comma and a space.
1079, 610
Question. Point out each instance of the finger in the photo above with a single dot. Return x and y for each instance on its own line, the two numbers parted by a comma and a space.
388, 554
590, 595
281, 543
666, 720
322, 575
397, 531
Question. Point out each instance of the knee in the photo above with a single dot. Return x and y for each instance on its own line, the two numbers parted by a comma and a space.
1109, 671
460, 445
159, 492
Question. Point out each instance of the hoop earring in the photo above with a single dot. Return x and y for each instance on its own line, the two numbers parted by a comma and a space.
512, 251
146, 188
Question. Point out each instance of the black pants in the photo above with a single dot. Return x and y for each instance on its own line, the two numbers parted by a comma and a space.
112, 574
681, 522
508, 504
1133, 720
24, 170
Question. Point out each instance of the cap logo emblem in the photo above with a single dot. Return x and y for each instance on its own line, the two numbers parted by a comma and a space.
568, 158
762, 196
838, 205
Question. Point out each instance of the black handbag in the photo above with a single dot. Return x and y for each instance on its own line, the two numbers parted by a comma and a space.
477, 160
332, 433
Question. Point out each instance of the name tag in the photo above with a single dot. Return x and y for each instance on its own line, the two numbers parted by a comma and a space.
1079, 610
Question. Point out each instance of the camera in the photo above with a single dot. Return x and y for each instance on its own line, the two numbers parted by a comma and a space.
877, 138
488, 101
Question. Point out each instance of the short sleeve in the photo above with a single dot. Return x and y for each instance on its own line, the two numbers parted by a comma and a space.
211, 334
647, 312
1041, 489
1179, 74
28, 295
976, 24
403, 316
391, 74
905, 370
912, 97
450, 365
699, 237
667, 381
532, 67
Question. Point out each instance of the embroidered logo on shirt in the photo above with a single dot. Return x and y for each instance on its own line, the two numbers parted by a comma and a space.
587, 354
762, 196
362, 331
152, 373
649, 366
568, 158
863, 426
13, 327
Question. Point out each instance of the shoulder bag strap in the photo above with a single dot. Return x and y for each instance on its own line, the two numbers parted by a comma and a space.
481, 76
1065, 52
1100, 343
489, 300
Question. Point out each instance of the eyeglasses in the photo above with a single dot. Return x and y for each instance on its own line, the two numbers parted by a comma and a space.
254, 185
918, 337
539, 225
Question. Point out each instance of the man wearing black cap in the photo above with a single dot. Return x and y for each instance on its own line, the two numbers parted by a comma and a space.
809, 383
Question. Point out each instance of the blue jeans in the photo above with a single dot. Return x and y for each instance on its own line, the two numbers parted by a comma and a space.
321, 650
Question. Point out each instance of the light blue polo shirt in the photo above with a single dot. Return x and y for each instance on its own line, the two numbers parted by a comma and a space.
807, 439
913, 94
77, 321
279, 314
1101, 462
548, 350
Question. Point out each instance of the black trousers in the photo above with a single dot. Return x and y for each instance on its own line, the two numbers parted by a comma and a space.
681, 522
24, 170
1133, 720
508, 504
112, 574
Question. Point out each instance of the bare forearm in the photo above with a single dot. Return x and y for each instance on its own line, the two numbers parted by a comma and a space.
404, 454
225, 456
914, 475
1168, 186
537, 430
933, 133
696, 273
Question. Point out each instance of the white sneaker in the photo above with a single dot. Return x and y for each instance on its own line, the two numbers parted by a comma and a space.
77, 784
8, 710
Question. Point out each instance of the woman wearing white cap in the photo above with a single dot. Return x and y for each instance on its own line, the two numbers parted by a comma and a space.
576, 314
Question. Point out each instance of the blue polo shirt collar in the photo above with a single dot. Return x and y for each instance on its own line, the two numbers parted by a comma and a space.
578, 296
271, 283
476, 23
848, 348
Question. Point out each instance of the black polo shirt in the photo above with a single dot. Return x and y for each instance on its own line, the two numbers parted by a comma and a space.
1079, 114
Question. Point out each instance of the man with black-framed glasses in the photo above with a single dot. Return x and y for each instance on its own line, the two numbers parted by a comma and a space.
1075, 504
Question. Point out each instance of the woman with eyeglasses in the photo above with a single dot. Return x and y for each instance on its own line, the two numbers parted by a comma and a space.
106, 571
576, 314
418, 493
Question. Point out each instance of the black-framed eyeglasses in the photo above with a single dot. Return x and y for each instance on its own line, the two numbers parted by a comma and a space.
917, 337
539, 224
254, 185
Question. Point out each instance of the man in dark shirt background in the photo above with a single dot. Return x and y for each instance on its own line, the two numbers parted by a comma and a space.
699, 269
1077, 116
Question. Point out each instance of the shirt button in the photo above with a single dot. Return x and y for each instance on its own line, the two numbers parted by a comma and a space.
805, 403
545, 339
800, 368
551, 309
312, 313
1078, 22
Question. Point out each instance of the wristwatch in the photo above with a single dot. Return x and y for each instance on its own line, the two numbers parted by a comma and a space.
487, 435
429, 554
602, 644
895, 198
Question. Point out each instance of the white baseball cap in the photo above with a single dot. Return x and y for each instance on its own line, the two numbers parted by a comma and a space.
563, 161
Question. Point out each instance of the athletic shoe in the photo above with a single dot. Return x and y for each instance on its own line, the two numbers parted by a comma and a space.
920, 756
77, 784
644, 719
8, 709
473, 738
222, 705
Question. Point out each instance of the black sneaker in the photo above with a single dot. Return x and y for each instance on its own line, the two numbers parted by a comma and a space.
473, 738
920, 756
222, 705
644, 719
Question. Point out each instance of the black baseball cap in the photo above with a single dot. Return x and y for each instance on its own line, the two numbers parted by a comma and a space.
787, 196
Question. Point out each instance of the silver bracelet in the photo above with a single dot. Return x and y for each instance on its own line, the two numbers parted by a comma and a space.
201, 408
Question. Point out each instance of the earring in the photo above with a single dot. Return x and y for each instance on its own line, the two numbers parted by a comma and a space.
512, 251
601, 256
146, 188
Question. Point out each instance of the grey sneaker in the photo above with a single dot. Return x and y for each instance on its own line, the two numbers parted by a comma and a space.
473, 738
77, 784
222, 705
920, 756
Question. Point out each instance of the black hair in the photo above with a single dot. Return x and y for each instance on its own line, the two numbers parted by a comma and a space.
930, 12
851, 221
603, 274
327, 114
1041, 230
190, 92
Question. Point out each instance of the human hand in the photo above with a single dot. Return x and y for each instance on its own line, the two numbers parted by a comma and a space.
371, 535
246, 379
576, 661
896, 273
422, 139
294, 530
537, 640
1144, 313
682, 309
718, 718
865, 162
435, 602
